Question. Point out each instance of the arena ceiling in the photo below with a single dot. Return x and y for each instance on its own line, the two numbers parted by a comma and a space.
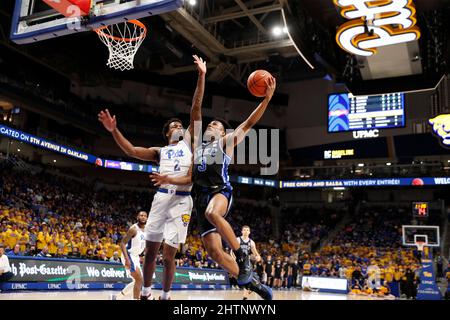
236, 37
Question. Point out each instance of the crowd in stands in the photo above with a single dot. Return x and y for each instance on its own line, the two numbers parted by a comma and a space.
367, 251
304, 228
42, 214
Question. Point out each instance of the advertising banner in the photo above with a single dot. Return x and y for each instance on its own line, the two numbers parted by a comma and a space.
428, 289
385, 182
45, 144
323, 284
32, 273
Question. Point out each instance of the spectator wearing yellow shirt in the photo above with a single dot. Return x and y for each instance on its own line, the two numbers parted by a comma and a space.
388, 275
63, 244
12, 236
2, 236
12, 217
110, 248
84, 246
349, 272
398, 274
68, 245
53, 247
43, 237
24, 238
76, 241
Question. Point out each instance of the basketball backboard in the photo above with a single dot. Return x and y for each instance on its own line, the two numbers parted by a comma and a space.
34, 20
429, 235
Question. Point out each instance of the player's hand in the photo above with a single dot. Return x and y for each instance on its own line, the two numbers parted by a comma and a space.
127, 264
271, 86
159, 179
110, 123
201, 65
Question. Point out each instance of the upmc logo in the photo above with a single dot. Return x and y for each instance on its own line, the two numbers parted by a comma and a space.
375, 24
365, 134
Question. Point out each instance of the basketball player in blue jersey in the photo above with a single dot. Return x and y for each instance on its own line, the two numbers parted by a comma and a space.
132, 246
248, 246
172, 205
212, 156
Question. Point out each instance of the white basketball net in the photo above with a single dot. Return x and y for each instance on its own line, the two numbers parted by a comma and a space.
420, 245
123, 41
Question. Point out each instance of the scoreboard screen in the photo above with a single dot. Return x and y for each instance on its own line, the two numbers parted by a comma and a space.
349, 113
420, 209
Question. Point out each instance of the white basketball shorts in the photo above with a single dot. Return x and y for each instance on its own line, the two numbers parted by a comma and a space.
169, 219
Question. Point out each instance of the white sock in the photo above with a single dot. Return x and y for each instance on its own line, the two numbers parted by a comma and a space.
165, 295
147, 291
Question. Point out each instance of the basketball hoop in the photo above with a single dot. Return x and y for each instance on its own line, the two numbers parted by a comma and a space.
123, 41
420, 245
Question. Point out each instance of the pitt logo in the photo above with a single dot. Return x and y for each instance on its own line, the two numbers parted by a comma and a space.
375, 24
174, 153
185, 218
427, 274
441, 127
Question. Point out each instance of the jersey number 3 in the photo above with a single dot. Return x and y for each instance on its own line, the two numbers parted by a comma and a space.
202, 166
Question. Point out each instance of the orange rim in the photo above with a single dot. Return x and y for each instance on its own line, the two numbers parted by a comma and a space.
99, 31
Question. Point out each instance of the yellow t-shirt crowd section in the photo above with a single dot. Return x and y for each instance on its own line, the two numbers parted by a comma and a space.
58, 236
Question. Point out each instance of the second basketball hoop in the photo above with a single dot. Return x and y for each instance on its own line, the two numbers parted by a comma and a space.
123, 41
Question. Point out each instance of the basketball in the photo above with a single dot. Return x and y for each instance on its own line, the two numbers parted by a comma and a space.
256, 83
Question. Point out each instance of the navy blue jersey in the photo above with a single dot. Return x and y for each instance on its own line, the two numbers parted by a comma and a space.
211, 166
246, 246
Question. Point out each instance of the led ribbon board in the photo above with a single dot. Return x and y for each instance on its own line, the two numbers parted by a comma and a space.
338, 154
391, 22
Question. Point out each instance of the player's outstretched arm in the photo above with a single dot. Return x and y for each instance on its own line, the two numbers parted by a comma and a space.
131, 233
233, 139
197, 100
110, 124
160, 179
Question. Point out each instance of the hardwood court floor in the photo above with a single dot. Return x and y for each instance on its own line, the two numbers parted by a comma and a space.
179, 295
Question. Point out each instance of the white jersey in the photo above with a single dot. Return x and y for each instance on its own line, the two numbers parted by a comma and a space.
175, 161
136, 245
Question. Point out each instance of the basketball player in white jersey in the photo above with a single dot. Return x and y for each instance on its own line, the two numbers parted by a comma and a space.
172, 205
132, 246
248, 246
